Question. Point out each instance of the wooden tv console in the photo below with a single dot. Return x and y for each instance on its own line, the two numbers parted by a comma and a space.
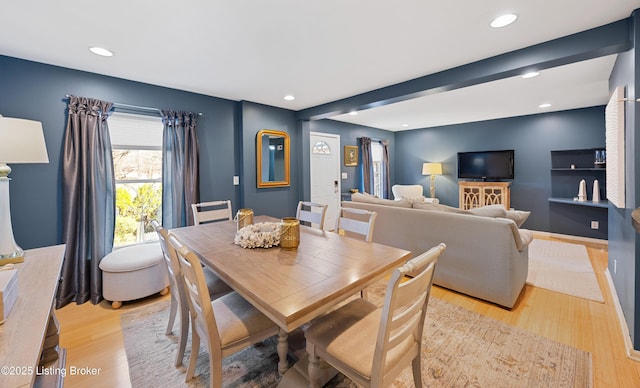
477, 194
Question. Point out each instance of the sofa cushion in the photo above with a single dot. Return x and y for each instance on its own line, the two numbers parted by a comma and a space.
495, 211
419, 198
438, 207
359, 197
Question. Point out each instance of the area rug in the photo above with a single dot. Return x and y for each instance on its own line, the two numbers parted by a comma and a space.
563, 267
463, 349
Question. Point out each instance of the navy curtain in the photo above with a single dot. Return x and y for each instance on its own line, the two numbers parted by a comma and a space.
386, 170
180, 181
88, 206
366, 164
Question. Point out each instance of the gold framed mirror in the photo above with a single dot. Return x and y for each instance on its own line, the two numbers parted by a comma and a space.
272, 158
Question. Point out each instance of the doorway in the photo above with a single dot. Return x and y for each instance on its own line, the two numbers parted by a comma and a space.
325, 174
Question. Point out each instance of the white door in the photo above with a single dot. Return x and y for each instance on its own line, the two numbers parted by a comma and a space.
325, 174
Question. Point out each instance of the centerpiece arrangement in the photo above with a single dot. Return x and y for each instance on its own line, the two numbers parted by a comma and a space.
260, 235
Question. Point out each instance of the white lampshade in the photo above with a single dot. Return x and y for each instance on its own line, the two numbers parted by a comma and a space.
431, 168
22, 141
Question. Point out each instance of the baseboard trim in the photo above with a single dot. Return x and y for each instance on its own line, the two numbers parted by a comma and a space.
631, 352
579, 239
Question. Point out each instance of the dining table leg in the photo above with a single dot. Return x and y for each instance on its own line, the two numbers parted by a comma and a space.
283, 350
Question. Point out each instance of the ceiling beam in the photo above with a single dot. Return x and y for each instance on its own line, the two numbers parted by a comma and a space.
597, 42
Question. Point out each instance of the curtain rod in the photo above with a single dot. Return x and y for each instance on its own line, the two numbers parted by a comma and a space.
127, 106
373, 139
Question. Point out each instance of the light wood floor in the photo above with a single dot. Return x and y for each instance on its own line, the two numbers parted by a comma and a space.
92, 335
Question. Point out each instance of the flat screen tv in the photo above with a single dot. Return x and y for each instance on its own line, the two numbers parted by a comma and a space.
486, 165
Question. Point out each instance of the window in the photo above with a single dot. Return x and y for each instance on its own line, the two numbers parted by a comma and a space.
136, 143
378, 175
321, 148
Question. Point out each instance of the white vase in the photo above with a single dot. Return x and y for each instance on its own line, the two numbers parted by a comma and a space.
582, 191
596, 191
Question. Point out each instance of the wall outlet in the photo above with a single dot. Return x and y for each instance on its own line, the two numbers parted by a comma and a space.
344, 175
595, 225
236, 180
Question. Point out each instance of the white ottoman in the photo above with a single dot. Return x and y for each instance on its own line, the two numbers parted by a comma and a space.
133, 272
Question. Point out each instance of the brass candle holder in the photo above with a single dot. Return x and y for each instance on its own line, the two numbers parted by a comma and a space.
290, 233
243, 218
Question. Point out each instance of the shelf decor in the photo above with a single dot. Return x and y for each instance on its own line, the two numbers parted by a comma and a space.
568, 169
582, 191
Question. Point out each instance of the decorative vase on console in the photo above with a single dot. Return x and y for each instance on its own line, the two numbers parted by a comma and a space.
582, 191
596, 191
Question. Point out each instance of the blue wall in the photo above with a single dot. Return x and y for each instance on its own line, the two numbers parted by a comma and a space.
279, 201
533, 138
37, 91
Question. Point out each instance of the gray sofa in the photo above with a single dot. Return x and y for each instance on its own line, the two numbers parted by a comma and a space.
486, 256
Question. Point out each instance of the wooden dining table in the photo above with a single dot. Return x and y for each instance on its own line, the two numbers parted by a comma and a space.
292, 287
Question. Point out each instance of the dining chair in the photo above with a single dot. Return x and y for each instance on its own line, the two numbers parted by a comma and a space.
211, 211
306, 213
371, 345
179, 303
226, 325
356, 222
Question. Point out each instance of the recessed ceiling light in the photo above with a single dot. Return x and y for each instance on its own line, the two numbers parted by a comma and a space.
503, 20
545, 105
103, 52
353, 113
289, 97
531, 74
405, 125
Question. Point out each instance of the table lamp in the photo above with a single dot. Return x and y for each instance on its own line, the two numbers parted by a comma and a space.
432, 169
21, 141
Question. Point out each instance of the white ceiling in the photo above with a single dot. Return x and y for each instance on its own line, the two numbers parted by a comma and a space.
578, 85
318, 51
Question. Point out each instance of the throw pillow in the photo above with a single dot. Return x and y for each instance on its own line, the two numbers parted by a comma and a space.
490, 211
518, 216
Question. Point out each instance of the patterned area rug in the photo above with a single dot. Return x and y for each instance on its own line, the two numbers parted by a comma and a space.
463, 349
563, 267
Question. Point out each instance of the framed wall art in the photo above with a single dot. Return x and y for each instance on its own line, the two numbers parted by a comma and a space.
350, 156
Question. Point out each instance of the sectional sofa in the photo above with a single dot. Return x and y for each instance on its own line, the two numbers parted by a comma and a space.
487, 252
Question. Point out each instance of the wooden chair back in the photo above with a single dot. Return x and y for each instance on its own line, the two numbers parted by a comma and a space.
403, 315
306, 213
170, 258
179, 303
211, 211
356, 222
195, 288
